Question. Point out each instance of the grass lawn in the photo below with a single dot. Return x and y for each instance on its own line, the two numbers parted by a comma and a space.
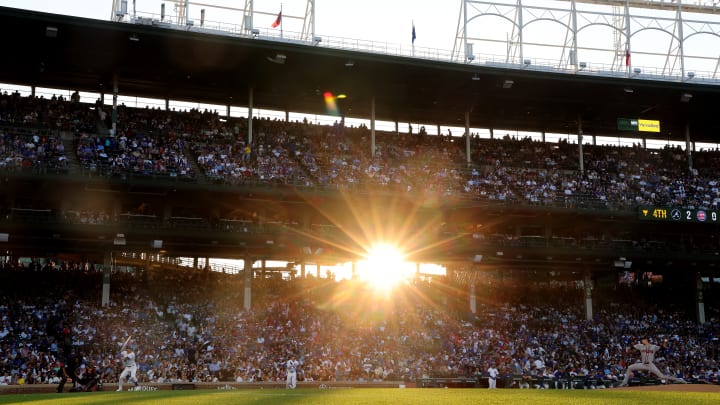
391, 396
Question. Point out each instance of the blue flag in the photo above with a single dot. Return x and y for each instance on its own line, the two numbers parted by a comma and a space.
413, 35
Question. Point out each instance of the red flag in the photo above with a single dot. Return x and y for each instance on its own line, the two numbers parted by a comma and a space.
278, 20
627, 57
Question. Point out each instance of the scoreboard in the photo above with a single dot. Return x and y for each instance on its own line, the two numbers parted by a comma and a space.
670, 214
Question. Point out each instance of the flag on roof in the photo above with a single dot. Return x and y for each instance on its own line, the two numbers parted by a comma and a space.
627, 57
278, 20
413, 34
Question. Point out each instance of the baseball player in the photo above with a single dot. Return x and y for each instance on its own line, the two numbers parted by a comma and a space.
130, 368
291, 369
492, 377
647, 355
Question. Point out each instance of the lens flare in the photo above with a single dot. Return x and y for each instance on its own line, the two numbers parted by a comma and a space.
385, 267
330, 104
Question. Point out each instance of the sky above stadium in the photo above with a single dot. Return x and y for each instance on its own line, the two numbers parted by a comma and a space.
373, 20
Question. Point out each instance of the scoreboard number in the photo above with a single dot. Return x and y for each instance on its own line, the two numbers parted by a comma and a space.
665, 214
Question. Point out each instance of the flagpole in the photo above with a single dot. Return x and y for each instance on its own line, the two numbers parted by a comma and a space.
413, 38
281, 24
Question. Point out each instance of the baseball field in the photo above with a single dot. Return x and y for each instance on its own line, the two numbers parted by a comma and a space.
661, 395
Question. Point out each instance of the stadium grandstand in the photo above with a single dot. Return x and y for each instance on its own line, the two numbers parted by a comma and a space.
223, 198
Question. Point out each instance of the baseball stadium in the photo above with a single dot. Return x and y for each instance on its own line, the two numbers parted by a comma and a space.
211, 202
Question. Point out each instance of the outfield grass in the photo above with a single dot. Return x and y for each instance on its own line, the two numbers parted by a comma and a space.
414, 396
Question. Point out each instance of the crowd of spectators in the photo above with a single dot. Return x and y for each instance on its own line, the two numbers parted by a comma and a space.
41, 153
202, 146
190, 326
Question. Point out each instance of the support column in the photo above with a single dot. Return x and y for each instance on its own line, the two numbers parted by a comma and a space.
473, 299
580, 146
250, 116
467, 137
700, 300
302, 270
353, 270
247, 263
114, 108
107, 269
588, 298
372, 126
688, 148
492, 133
542, 136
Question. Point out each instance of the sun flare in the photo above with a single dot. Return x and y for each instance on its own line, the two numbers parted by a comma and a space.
385, 267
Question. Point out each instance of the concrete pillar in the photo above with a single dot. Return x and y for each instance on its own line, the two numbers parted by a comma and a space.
372, 126
107, 269
588, 298
580, 146
115, 101
688, 148
248, 262
302, 270
250, 115
467, 137
700, 300
473, 299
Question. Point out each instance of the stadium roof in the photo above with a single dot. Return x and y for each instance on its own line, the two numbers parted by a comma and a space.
68, 52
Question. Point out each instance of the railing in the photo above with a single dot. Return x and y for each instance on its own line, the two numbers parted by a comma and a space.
418, 52
572, 202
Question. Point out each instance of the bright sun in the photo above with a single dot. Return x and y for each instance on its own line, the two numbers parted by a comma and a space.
384, 267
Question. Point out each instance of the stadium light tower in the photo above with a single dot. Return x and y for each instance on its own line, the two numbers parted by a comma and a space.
506, 32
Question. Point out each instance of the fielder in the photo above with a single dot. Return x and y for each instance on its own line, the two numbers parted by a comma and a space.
130, 368
492, 377
647, 355
291, 369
